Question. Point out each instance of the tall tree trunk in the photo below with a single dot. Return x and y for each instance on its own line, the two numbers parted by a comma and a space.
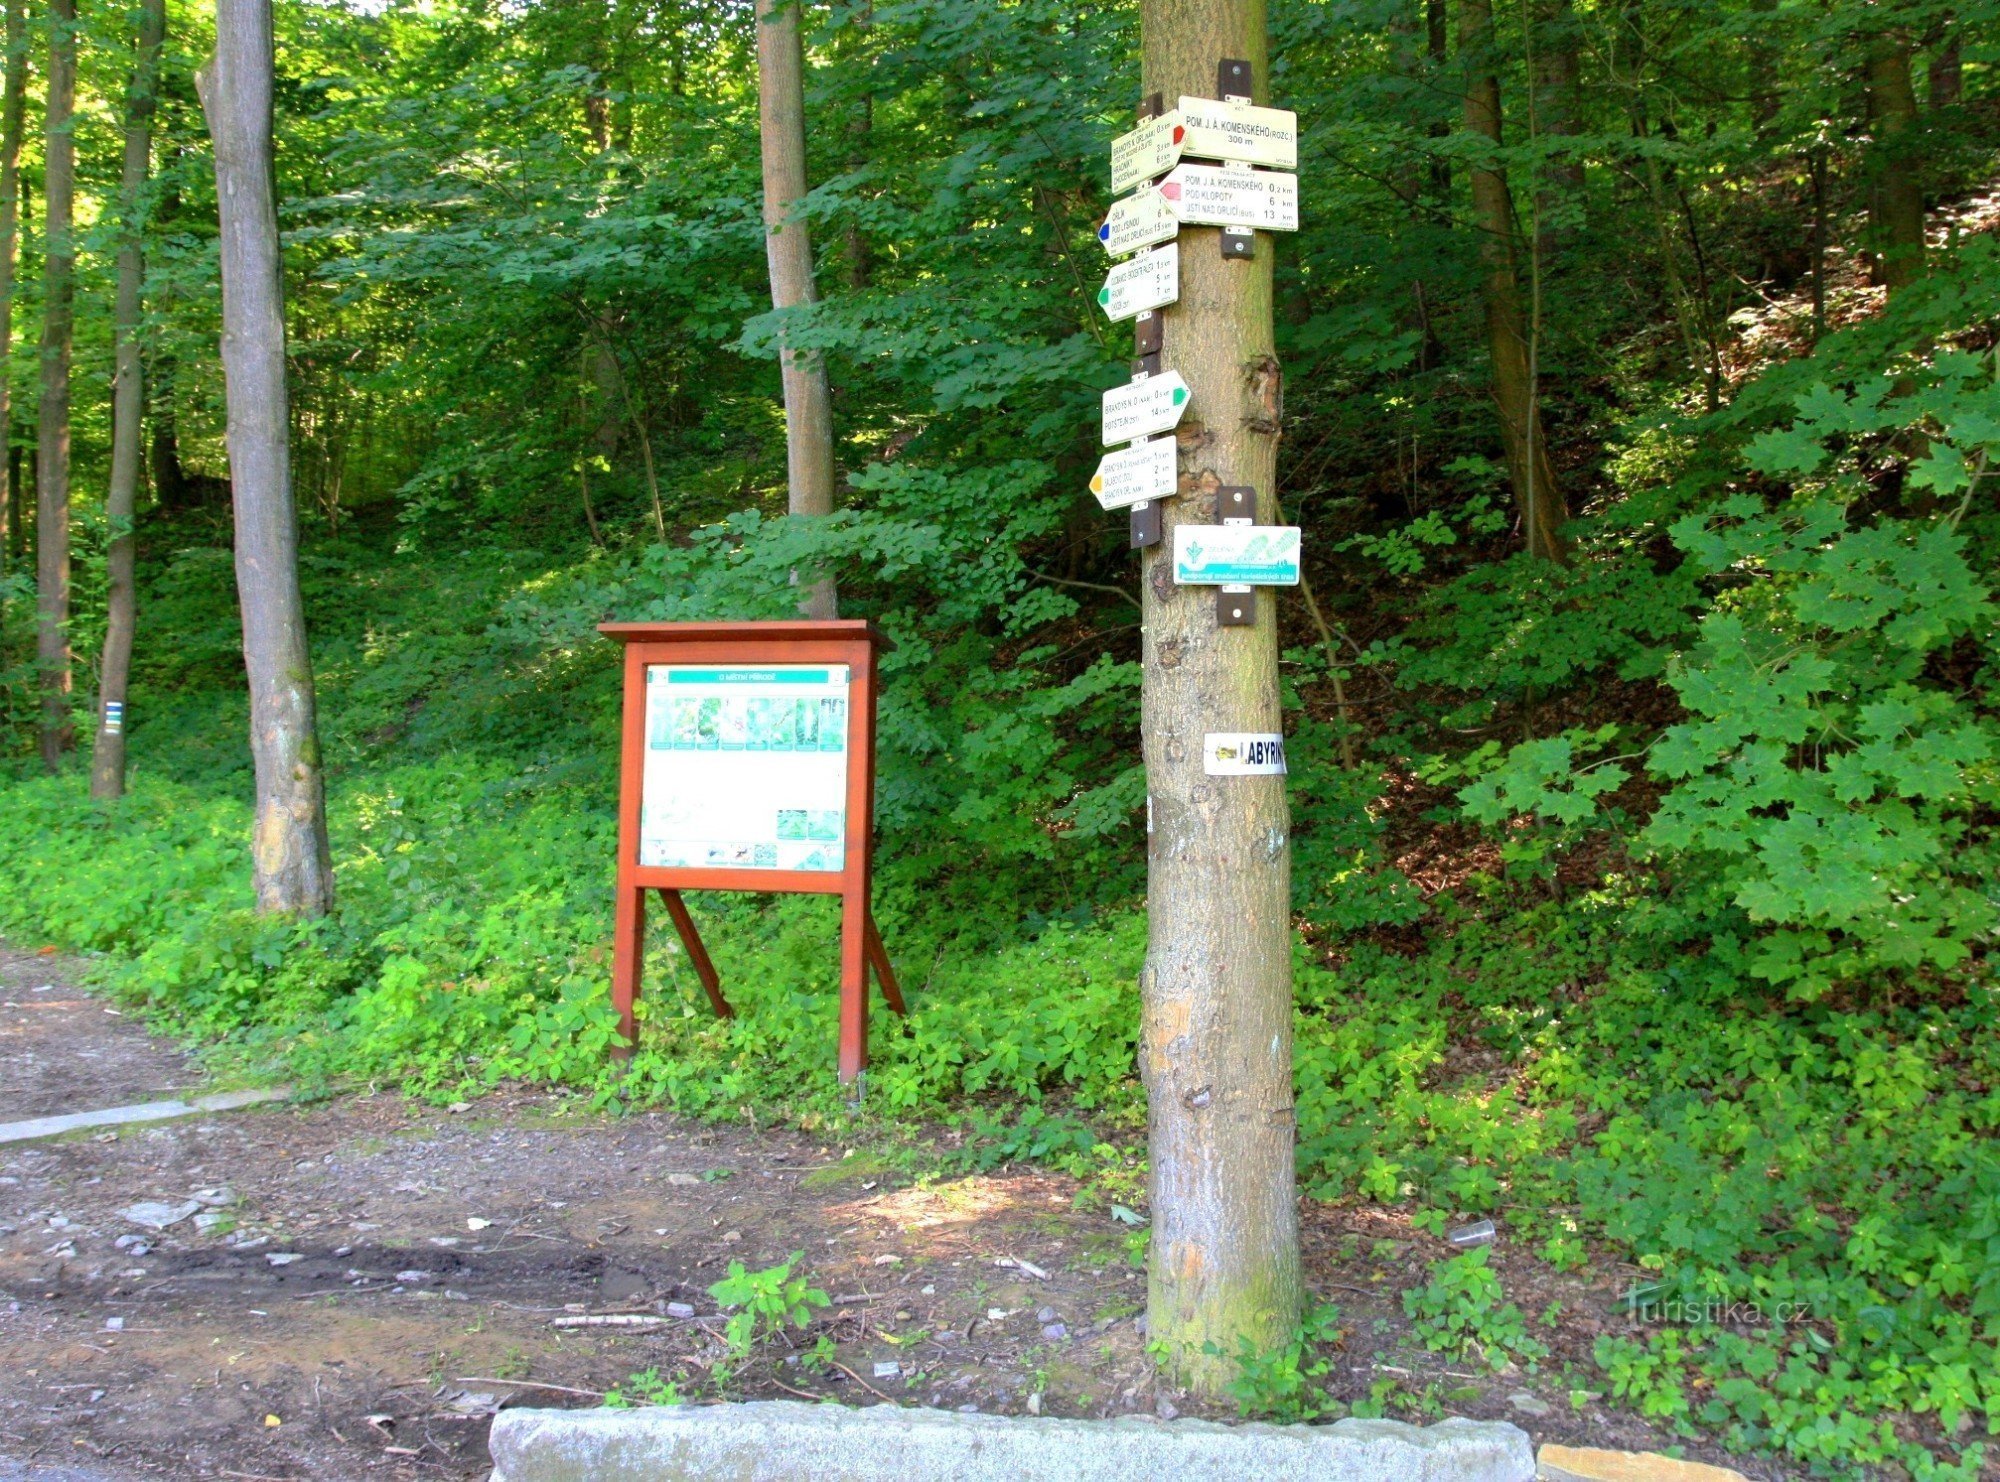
1514, 374
128, 405
1216, 990
1895, 161
1947, 69
52, 653
292, 866
13, 123
781, 110
1559, 193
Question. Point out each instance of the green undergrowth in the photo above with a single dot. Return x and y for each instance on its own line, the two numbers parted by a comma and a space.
1591, 1070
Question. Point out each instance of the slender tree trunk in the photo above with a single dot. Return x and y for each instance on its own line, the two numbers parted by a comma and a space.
291, 861
58, 734
781, 106
1947, 69
1559, 192
1534, 482
13, 124
128, 403
1896, 164
1216, 990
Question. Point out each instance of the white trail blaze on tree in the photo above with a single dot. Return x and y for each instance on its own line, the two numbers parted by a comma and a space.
781, 108
128, 403
1217, 1047
294, 871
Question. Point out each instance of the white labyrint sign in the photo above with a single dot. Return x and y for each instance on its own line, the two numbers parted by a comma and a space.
1212, 195
1214, 130
1143, 408
1148, 281
746, 768
1236, 555
1146, 152
1243, 754
1138, 221
1146, 470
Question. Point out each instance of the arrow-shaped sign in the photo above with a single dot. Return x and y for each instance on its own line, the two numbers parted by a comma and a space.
1144, 282
1137, 474
1137, 221
1210, 195
1145, 407
1213, 130
1146, 153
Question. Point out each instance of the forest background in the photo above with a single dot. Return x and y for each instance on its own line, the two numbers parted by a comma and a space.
1645, 880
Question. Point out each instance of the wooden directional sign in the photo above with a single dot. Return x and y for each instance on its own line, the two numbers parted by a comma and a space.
1212, 130
1143, 408
1210, 195
1146, 281
1144, 471
1146, 153
1138, 221
1233, 555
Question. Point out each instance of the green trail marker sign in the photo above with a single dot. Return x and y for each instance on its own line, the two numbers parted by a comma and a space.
1236, 555
1147, 281
1146, 406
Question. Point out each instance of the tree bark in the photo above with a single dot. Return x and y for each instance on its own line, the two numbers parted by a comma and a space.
781, 110
128, 404
1216, 1049
1897, 200
52, 654
1559, 193
1514, 374
13, 123
1946, 72
291, 862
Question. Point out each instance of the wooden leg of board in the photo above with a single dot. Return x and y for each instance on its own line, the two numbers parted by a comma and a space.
628, 951
879, 955
697, 953
853, 986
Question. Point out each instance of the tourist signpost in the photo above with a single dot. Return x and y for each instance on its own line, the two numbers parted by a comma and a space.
749, 764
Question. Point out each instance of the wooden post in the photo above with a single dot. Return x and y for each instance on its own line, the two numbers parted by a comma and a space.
1216, 1052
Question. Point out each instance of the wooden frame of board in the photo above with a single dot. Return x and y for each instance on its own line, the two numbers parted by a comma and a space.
750, 646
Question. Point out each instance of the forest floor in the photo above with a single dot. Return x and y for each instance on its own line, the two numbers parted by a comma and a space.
370, 1278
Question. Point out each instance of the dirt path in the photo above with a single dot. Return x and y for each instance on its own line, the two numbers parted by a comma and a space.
360, 1283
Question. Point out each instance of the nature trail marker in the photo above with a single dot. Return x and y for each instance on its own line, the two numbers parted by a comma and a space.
1134, 475
1148, 151
1206, 128
1149, 281
1217, 129
1144, 407
749, 764
1231, 555
1138, 221
1217, 195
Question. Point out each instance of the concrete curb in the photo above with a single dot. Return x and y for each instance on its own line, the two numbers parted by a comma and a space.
146, 1111
781, 1440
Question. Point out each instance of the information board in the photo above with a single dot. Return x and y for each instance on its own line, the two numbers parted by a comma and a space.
747, 762
746, 768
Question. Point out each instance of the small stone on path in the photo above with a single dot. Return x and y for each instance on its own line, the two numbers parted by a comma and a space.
156, 1215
